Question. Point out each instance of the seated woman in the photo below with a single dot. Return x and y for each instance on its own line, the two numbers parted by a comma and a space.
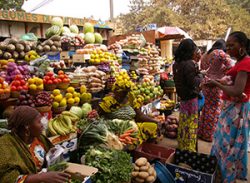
121, 105
22, 152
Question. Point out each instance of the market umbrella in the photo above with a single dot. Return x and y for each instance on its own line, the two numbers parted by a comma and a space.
171, 33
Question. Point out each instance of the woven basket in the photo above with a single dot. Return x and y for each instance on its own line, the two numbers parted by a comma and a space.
4, 96
63, 86
75, 85
15, 94
34, 92
59, 110
44, 109
69, 106
50, 87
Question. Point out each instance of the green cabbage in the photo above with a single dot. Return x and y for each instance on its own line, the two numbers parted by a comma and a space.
98, 38
77, 111
57, 21
89, 38
86, 108
65, 30
88, 27
74, 29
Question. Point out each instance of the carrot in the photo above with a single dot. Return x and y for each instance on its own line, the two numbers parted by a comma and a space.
129, 131
122, 140
125, 135
128, 139
133, 139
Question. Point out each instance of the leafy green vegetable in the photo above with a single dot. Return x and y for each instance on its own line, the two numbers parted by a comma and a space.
109, 170
58, 167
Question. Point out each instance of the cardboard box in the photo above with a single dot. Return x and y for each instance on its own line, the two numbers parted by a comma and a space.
203, 167
78, 58
80, 172
60, 139
64, 55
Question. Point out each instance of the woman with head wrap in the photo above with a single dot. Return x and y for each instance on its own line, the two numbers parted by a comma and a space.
22, 151
187, 81
122, 101
217, 63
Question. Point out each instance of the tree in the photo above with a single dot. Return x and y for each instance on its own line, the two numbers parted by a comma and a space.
11, 5
242, 3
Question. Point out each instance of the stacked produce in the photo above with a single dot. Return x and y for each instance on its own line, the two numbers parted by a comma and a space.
63, 80
26, 99
13, 69
99, 56
4, 89
143, 171
84, 95
3, 63
19, 84
43, 99
167, 104
15, 49
50, 81
58, 65
144, 93
58, 99
132, 43
31, 55
50, 45
133, 75
73, 97
170, 127
63, 124
113, 166
35, 84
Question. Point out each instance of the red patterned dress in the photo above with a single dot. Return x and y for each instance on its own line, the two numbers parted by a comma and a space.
217, 63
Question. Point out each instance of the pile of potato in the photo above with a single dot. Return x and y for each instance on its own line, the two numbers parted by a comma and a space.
171, 127
53, 44
143, 171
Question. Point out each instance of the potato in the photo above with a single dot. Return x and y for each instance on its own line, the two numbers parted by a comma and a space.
144, 168
151, 171
141, 162
136, 168
143, 175
150, 179
135, 174
137, 179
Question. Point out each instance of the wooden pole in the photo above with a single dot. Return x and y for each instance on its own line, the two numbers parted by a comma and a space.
111, 6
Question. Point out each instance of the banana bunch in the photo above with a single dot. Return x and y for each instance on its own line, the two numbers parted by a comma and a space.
167, 104
123, 81
63, 124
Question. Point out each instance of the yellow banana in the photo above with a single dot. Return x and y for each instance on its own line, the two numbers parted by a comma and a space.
69, 123
74, 118
64, 126
50, 128
57, 127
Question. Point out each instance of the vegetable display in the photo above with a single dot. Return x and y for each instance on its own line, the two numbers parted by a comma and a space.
109, 170
143, 171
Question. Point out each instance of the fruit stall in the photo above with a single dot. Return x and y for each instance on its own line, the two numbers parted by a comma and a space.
66, 76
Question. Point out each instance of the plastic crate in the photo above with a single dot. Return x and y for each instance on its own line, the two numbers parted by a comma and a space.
153, 152
54, 56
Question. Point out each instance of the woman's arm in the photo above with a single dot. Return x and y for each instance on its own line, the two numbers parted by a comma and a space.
55, 177
141, 117
235, 90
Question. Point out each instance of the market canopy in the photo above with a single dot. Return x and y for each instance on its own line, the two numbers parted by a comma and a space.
171, 33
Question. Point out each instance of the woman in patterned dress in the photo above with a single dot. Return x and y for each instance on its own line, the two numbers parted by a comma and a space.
22, 152
232, 132
187, 81
217, 63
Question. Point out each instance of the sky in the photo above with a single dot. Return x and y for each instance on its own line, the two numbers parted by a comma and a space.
99, 9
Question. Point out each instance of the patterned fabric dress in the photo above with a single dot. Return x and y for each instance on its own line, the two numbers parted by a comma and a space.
217, 63
188, 125
232, 132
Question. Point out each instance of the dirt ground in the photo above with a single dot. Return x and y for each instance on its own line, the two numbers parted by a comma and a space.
203, 147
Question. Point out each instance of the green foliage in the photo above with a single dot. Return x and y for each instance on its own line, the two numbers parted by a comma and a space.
113, 166
11, 4
201, 19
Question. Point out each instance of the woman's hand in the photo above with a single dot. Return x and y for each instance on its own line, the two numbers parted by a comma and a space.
54, 177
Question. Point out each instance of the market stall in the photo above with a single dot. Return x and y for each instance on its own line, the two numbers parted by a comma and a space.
66, 77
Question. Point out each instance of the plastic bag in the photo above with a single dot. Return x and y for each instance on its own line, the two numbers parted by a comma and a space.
29, 37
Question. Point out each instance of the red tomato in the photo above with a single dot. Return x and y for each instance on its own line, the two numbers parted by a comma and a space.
16, 83
61, 76
18, 77
19, 88
45, 81
52, 78
22, 82
50, 74
46, 77
66, 80
59, 80
55, 81
25, 87
60, 72
13, 88
49, 82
